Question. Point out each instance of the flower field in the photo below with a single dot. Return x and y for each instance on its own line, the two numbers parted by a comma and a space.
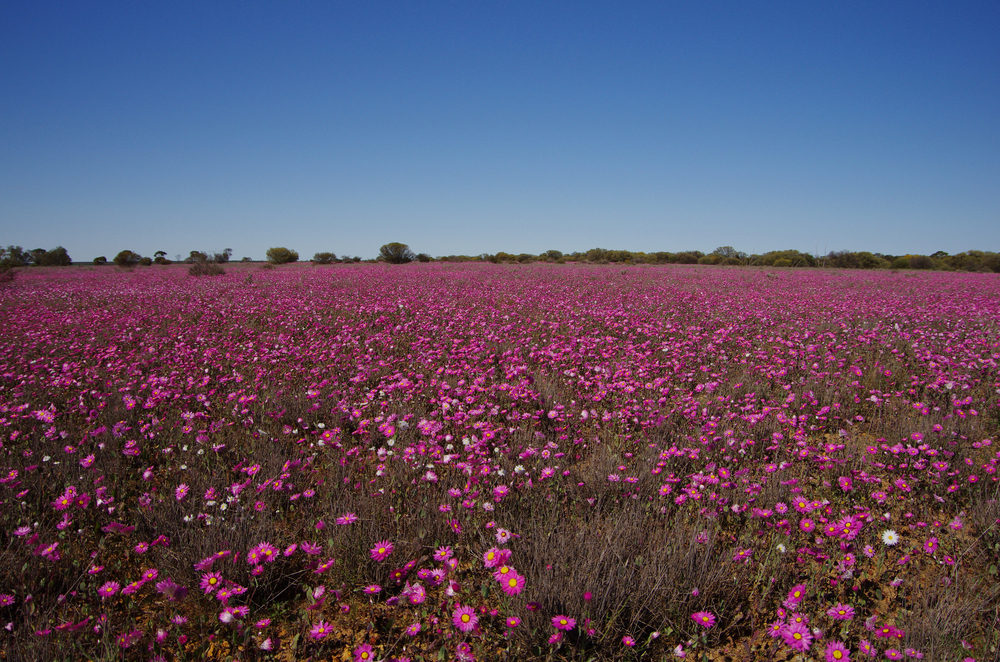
489, 462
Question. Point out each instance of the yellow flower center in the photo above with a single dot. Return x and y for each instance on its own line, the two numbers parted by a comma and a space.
465, 618
512, 583
837, 655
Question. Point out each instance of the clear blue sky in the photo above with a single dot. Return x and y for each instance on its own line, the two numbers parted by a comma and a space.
469, 127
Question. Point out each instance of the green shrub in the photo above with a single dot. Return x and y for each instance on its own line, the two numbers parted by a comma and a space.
127, 259
782, 262
920, 262
57, 257
324, 258
281, 255
205, 268
396, 253
901, 262
98, 261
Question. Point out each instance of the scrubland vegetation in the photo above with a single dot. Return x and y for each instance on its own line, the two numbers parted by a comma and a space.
497, 462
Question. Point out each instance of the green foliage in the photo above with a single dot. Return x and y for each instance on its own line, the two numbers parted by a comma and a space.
710, 259
782, 262
146, 261
127, 259
396, 253
324, 258
206, 268
423, 257
14, 256
196, 256
920, 262
902, 262
281, 255
57, 257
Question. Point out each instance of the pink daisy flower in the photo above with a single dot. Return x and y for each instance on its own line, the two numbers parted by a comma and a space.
108, 589
382, 550
840, 612
797, 636
465, 619
320, 630
563, 622
837, 652
704, 618
512, 584
210, 581
363, 653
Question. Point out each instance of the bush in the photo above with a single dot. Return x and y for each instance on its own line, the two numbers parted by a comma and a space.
98, 261
921, 262
146, 261
281, 255
901, 263
396, 253
7, 274
205, 268
324, 258
423, 257
127, 259
57, 257
732, 262
782, 262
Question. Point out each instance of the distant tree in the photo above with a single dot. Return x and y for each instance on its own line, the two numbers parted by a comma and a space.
246, 259
36, 255
127, 259
901, 262
57, 257
98, 261
553, 254
196, 256
160, 254
921, 262
324, 258
206, 268
396, 253
14, 256
281, 255
729, 251
423, 257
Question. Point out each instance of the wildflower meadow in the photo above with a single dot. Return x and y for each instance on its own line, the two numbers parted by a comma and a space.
499, 462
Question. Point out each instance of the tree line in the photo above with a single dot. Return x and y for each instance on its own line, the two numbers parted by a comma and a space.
399, 253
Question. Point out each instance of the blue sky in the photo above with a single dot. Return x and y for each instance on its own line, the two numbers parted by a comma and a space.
469, 127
